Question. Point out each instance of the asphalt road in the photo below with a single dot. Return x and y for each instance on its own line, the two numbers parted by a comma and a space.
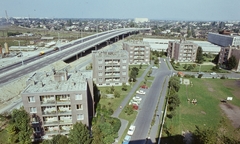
145, 115
37, 57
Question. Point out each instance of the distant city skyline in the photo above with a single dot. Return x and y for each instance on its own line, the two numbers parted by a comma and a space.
196, 10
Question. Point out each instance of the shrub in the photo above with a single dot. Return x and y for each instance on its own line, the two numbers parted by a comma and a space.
200, 75
223, 77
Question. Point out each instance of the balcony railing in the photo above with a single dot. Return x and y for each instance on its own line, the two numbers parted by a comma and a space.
49, 112
65, 121
48, 102
64, 112
51, 122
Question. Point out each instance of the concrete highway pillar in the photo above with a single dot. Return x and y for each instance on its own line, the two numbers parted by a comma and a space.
95, 47
76, 56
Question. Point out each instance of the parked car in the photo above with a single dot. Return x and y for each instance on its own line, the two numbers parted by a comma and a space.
136, 98
141, 92
126, 139
154, 67
131, 130
213, 73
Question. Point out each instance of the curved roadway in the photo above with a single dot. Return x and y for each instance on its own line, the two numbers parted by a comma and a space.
17, 70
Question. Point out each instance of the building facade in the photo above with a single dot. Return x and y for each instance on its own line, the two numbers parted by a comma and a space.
55, 101
139, 52
226, 53
110, 67
182, 51
223, 40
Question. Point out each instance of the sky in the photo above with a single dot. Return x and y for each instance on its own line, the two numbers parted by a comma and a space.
201, 10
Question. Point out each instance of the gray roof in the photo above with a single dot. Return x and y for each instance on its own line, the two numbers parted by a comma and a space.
76, 81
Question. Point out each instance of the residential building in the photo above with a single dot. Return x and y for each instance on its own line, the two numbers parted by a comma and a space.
57, 100
110, 67
162, 45
139, 52
223, 40
226, 53
182, 51
141, 20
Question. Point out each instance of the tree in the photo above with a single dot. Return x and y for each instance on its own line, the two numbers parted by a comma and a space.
150, 72
128, 110
173, 101
112, 89
156, 61
232, 62
202, 136
174, 84
199, 57
19, 128
140, 66
215, 60
124, 87
79, 134
116, 94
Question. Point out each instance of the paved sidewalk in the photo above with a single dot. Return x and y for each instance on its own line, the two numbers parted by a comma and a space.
124, 123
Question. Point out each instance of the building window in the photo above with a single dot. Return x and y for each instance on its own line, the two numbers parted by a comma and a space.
78, 97
100, 79
31, 99
33, 110
124, 67
124, 61
100, 74
100, 67
36, 129
79, 107
80, 117
34, 120
124, 73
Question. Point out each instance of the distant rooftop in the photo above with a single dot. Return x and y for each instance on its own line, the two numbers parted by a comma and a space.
61, 81
136, 43
116, 54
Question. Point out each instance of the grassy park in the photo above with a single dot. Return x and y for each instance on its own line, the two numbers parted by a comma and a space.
207, 112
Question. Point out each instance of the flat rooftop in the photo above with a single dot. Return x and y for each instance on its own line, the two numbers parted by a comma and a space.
116, 54
136, 43
60, 82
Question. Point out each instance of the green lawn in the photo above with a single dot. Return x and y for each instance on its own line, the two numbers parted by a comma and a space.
113, 103
141, 71
207, 112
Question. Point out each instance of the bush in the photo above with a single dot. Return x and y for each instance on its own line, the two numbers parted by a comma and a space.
128, 110
200, 75
223, 77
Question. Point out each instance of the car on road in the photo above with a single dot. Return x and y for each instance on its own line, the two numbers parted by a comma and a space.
213, 73
126, 139
131, 130
164, 59
140, 92
154, 67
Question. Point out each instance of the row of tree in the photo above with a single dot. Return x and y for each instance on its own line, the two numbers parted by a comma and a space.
173, 98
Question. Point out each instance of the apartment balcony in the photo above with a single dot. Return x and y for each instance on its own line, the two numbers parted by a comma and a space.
112, 69
63, 100
51, 122
112, 80
47, 101
65, 121
69, 112
49, 110
54, 132
112, 63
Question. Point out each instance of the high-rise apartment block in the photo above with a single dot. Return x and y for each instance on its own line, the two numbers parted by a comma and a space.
223, 40
139, 52
57, 100
226, 53
110, 67
182, 51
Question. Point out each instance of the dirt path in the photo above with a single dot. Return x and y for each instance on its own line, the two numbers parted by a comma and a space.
232, 112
